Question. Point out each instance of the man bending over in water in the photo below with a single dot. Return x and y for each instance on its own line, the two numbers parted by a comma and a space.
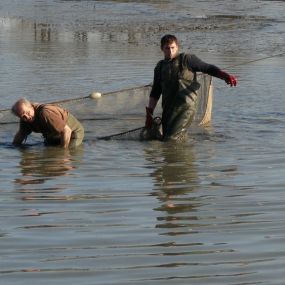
58, 126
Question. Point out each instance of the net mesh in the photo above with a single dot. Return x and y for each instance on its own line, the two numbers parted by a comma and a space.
127, 106
202, 117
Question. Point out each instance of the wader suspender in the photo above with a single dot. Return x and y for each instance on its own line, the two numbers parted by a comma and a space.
181, 57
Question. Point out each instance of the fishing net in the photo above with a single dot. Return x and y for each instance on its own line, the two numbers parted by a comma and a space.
202, 117
127, 106
125, 102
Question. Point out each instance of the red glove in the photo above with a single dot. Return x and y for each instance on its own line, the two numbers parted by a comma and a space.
230, 79
149, 118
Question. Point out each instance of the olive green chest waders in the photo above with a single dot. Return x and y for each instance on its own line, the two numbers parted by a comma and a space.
77, 134
179, 97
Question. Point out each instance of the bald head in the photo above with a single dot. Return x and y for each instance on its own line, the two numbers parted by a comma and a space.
24, 109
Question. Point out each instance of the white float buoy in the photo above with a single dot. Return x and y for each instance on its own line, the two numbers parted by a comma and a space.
95, 95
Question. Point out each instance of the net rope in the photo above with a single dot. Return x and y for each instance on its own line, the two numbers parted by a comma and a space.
126, 104
202, 117
129, 104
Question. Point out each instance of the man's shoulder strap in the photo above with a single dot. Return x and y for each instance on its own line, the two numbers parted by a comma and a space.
181, 61
183, 58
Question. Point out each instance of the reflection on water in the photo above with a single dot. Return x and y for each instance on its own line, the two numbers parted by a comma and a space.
175, 180
44, 163
177, 174
177, 168
65, 63
41, 166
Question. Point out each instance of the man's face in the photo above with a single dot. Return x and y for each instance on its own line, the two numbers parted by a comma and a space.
26, 113
170, 50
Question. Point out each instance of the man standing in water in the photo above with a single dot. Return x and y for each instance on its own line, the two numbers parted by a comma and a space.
175, 79
57, 125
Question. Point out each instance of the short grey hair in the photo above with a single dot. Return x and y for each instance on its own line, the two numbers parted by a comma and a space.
22, 101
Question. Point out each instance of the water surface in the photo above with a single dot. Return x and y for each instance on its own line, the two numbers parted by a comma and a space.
206, 211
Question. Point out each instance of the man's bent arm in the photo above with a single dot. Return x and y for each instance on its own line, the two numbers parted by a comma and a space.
65, 136
19, 138
152, 103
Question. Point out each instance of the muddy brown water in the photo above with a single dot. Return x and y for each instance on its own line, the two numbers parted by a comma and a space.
206, 211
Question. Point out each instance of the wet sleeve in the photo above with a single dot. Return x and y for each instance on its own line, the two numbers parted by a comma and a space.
25, 128
195, 64
156, 86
